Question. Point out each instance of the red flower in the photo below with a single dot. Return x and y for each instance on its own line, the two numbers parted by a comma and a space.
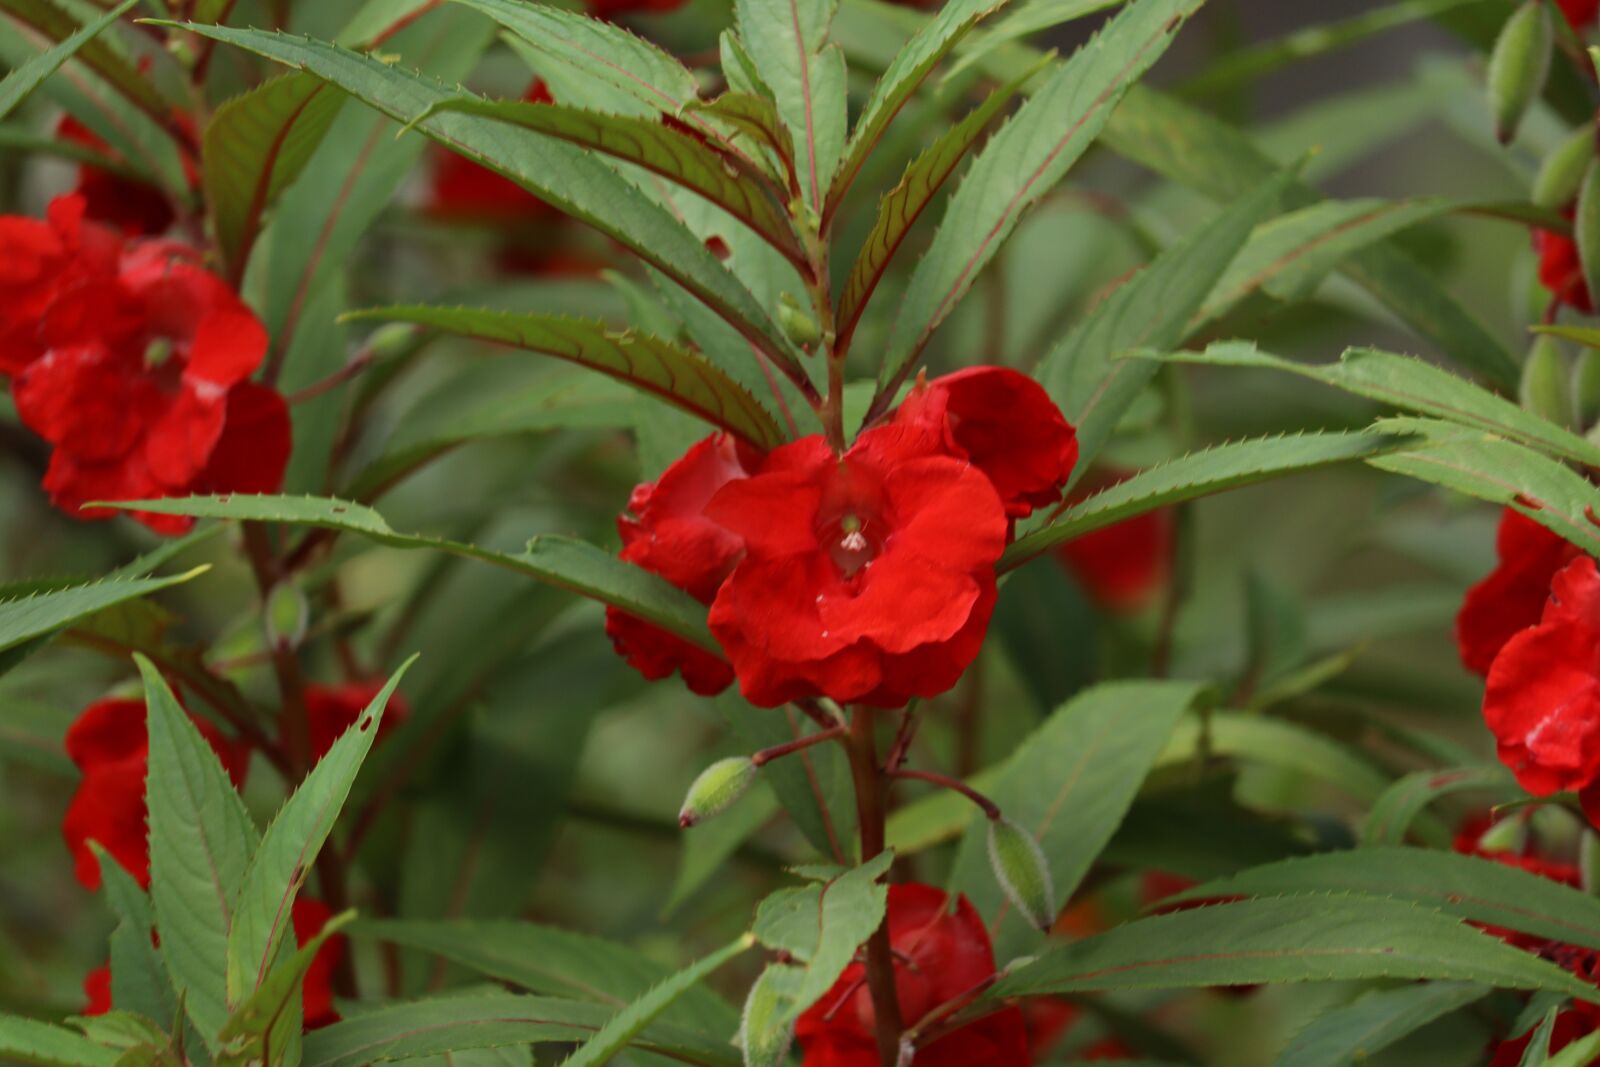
1003, 423
97, 991
1580, 13
867, 578
938, 957
134, 207
137, 371
39, 261
1542, 699
610, 9
108, 743
670, 535
333, 709
309, 917
1513, 596
1560, 270
1121, 565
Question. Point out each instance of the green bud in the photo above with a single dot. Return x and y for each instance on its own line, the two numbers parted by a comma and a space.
1586, 388
1508, 835
1545, 381
767, 1028
1518, 66
1586, 227
718, 786
1021, 869
801, 328
1589, 862
1562, 171
287, 615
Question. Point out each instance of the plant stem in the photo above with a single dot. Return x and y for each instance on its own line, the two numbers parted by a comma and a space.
869, 783
990, 808
767, 755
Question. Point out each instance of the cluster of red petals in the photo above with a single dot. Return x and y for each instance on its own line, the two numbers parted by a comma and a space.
1560, 270
134, 362
1542, 697
134, 207
309, 917
1121, 565
111, 748
1580, 13
939, 955
1513, 596
867, 577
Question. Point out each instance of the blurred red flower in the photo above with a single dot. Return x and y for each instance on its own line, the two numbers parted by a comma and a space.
1580, 13
1121, 565
1513, 596
97, 991
136, 208
333, 709
1560, 270
939, 955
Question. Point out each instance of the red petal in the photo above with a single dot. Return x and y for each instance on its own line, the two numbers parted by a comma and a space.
253, 451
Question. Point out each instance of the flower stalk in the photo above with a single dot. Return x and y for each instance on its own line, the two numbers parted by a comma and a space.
870, 781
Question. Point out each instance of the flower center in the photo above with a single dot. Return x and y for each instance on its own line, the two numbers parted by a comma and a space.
851, 549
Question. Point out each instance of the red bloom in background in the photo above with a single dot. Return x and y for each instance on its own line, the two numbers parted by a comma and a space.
309, 917
1542, 699
866, 578
464, 191
1560, 270
134, 207
610, 9
333, 709
1121, 565
97, 991
670, 534
1580, 13
109, 744
1513, 596
1003, 423
136, 369
938, 957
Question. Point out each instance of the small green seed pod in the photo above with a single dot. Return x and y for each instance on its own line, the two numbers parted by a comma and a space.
1022, 871
1561, 173
797, 323
1545, 381
1586, 227
1589, 862
1519, 65
1508, 835
287, 615
715, 791
1586, 389
766, 1029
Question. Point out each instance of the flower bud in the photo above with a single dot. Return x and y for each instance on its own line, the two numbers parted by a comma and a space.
1586, 388
718, 786
1508, 835
1545, 381
1562, 171
1586, 227
1589, 862
287, 615
767, 1028
1021, 869
797, 323
1518, 66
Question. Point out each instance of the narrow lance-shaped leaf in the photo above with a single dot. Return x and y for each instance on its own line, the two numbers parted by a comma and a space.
1022, 163
139, 980
904, 204
561, 173
560, 561
726, 180
25, 79
264, 1029
1352, 1033
201, 841
651, 364
254, 146
911, 66
261, 918
1391, 817
30, 617
757, 118
1201, 474
29, 1041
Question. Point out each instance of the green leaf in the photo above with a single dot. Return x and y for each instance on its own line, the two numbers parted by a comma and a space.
264, 1031
1578, 1054
1152, 309
1468, 887
1410, 384
563, 174
29, 1041
139, 981
651, 364
814, 785
559, 561
766, 1029
788, 42
757, 118
725, 179
822, 924
254, 146
911, 66
1023, 20
621, 1029
1200, 474
1503, 473
1023, 162
457, 1022
201, 841
16, 86
1357, 1031
1307, 938
29, 618
552, 961
1069, 784
261, 917
904, 204
51, 20
1276, 743
1391, 817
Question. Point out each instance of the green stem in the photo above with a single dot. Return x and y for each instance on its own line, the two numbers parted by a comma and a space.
870, 809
